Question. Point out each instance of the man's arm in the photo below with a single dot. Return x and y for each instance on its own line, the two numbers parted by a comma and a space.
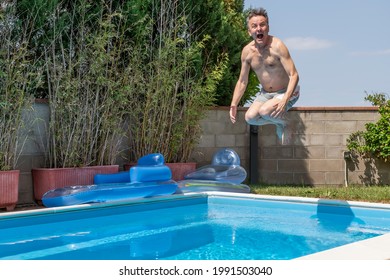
289, 67
240, 85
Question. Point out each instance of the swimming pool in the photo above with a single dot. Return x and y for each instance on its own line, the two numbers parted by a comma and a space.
208, 226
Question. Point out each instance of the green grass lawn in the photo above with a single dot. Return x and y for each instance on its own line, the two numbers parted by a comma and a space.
380, 194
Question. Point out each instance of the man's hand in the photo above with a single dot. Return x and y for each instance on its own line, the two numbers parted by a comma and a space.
280, 109
233, 113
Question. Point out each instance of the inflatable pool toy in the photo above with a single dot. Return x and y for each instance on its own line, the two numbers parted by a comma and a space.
223, 174
225, 167
74, 195
150, 177
208, 185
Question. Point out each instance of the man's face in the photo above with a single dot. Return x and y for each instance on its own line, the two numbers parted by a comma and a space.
258, 29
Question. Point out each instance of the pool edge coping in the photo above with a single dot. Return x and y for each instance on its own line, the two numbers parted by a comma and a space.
376, 248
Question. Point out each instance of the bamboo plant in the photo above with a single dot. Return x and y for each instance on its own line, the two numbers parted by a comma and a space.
18, 76
172, 84
86, 95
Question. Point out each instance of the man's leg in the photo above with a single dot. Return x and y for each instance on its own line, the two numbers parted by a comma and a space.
259, 114
283, 125
285, 132
252, 115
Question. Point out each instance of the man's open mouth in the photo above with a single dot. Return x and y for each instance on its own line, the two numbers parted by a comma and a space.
260, 36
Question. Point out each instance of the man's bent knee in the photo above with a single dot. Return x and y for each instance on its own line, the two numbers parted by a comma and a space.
265, 112
250, 115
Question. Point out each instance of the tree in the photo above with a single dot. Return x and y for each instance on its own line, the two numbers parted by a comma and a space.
225, 22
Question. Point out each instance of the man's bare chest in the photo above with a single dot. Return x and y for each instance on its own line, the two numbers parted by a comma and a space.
265, 62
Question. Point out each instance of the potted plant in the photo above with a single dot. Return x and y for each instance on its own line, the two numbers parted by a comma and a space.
86, 99
17, 76
173, 85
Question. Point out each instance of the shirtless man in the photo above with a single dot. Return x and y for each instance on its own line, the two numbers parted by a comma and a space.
270, 59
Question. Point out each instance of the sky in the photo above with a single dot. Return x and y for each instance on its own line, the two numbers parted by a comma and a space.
341, 48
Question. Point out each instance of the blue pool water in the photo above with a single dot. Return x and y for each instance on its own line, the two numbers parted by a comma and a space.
198, 227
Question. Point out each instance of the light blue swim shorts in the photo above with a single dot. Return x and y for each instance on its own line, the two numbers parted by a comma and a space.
264, 96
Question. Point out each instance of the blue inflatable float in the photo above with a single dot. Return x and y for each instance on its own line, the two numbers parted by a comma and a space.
186, 186
150, 177
223, 174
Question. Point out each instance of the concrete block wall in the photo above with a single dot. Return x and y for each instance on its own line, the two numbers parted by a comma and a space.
218, 133
314, 158
32, 155
316, 155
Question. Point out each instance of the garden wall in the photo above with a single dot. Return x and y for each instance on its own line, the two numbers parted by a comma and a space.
316, 157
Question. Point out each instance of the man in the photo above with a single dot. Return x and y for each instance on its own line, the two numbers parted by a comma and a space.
270, 59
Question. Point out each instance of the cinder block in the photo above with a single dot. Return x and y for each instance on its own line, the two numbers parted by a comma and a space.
318, 139
370, 116
305, 179
326, 115
334, 178
223, 115
267, 140
25, 163
25, 188
314, 127
207, 141
242, 141
363, 178
38, 161
266, 130
361, 125
335, 152
312, 152
294, 165
227, 140
339, 126
326, 165
275, 152
267, 165
213, 127
211, 115
318, 178
276, 178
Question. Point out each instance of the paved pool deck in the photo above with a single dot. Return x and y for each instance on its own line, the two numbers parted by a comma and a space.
377, 248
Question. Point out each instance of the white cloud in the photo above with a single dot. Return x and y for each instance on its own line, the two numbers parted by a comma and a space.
307, 43
371, 53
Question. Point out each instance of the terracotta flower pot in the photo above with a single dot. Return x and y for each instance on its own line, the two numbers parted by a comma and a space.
9, 189
46, 179
179, 169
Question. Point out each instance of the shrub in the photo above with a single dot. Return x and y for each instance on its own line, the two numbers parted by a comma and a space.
375, 140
